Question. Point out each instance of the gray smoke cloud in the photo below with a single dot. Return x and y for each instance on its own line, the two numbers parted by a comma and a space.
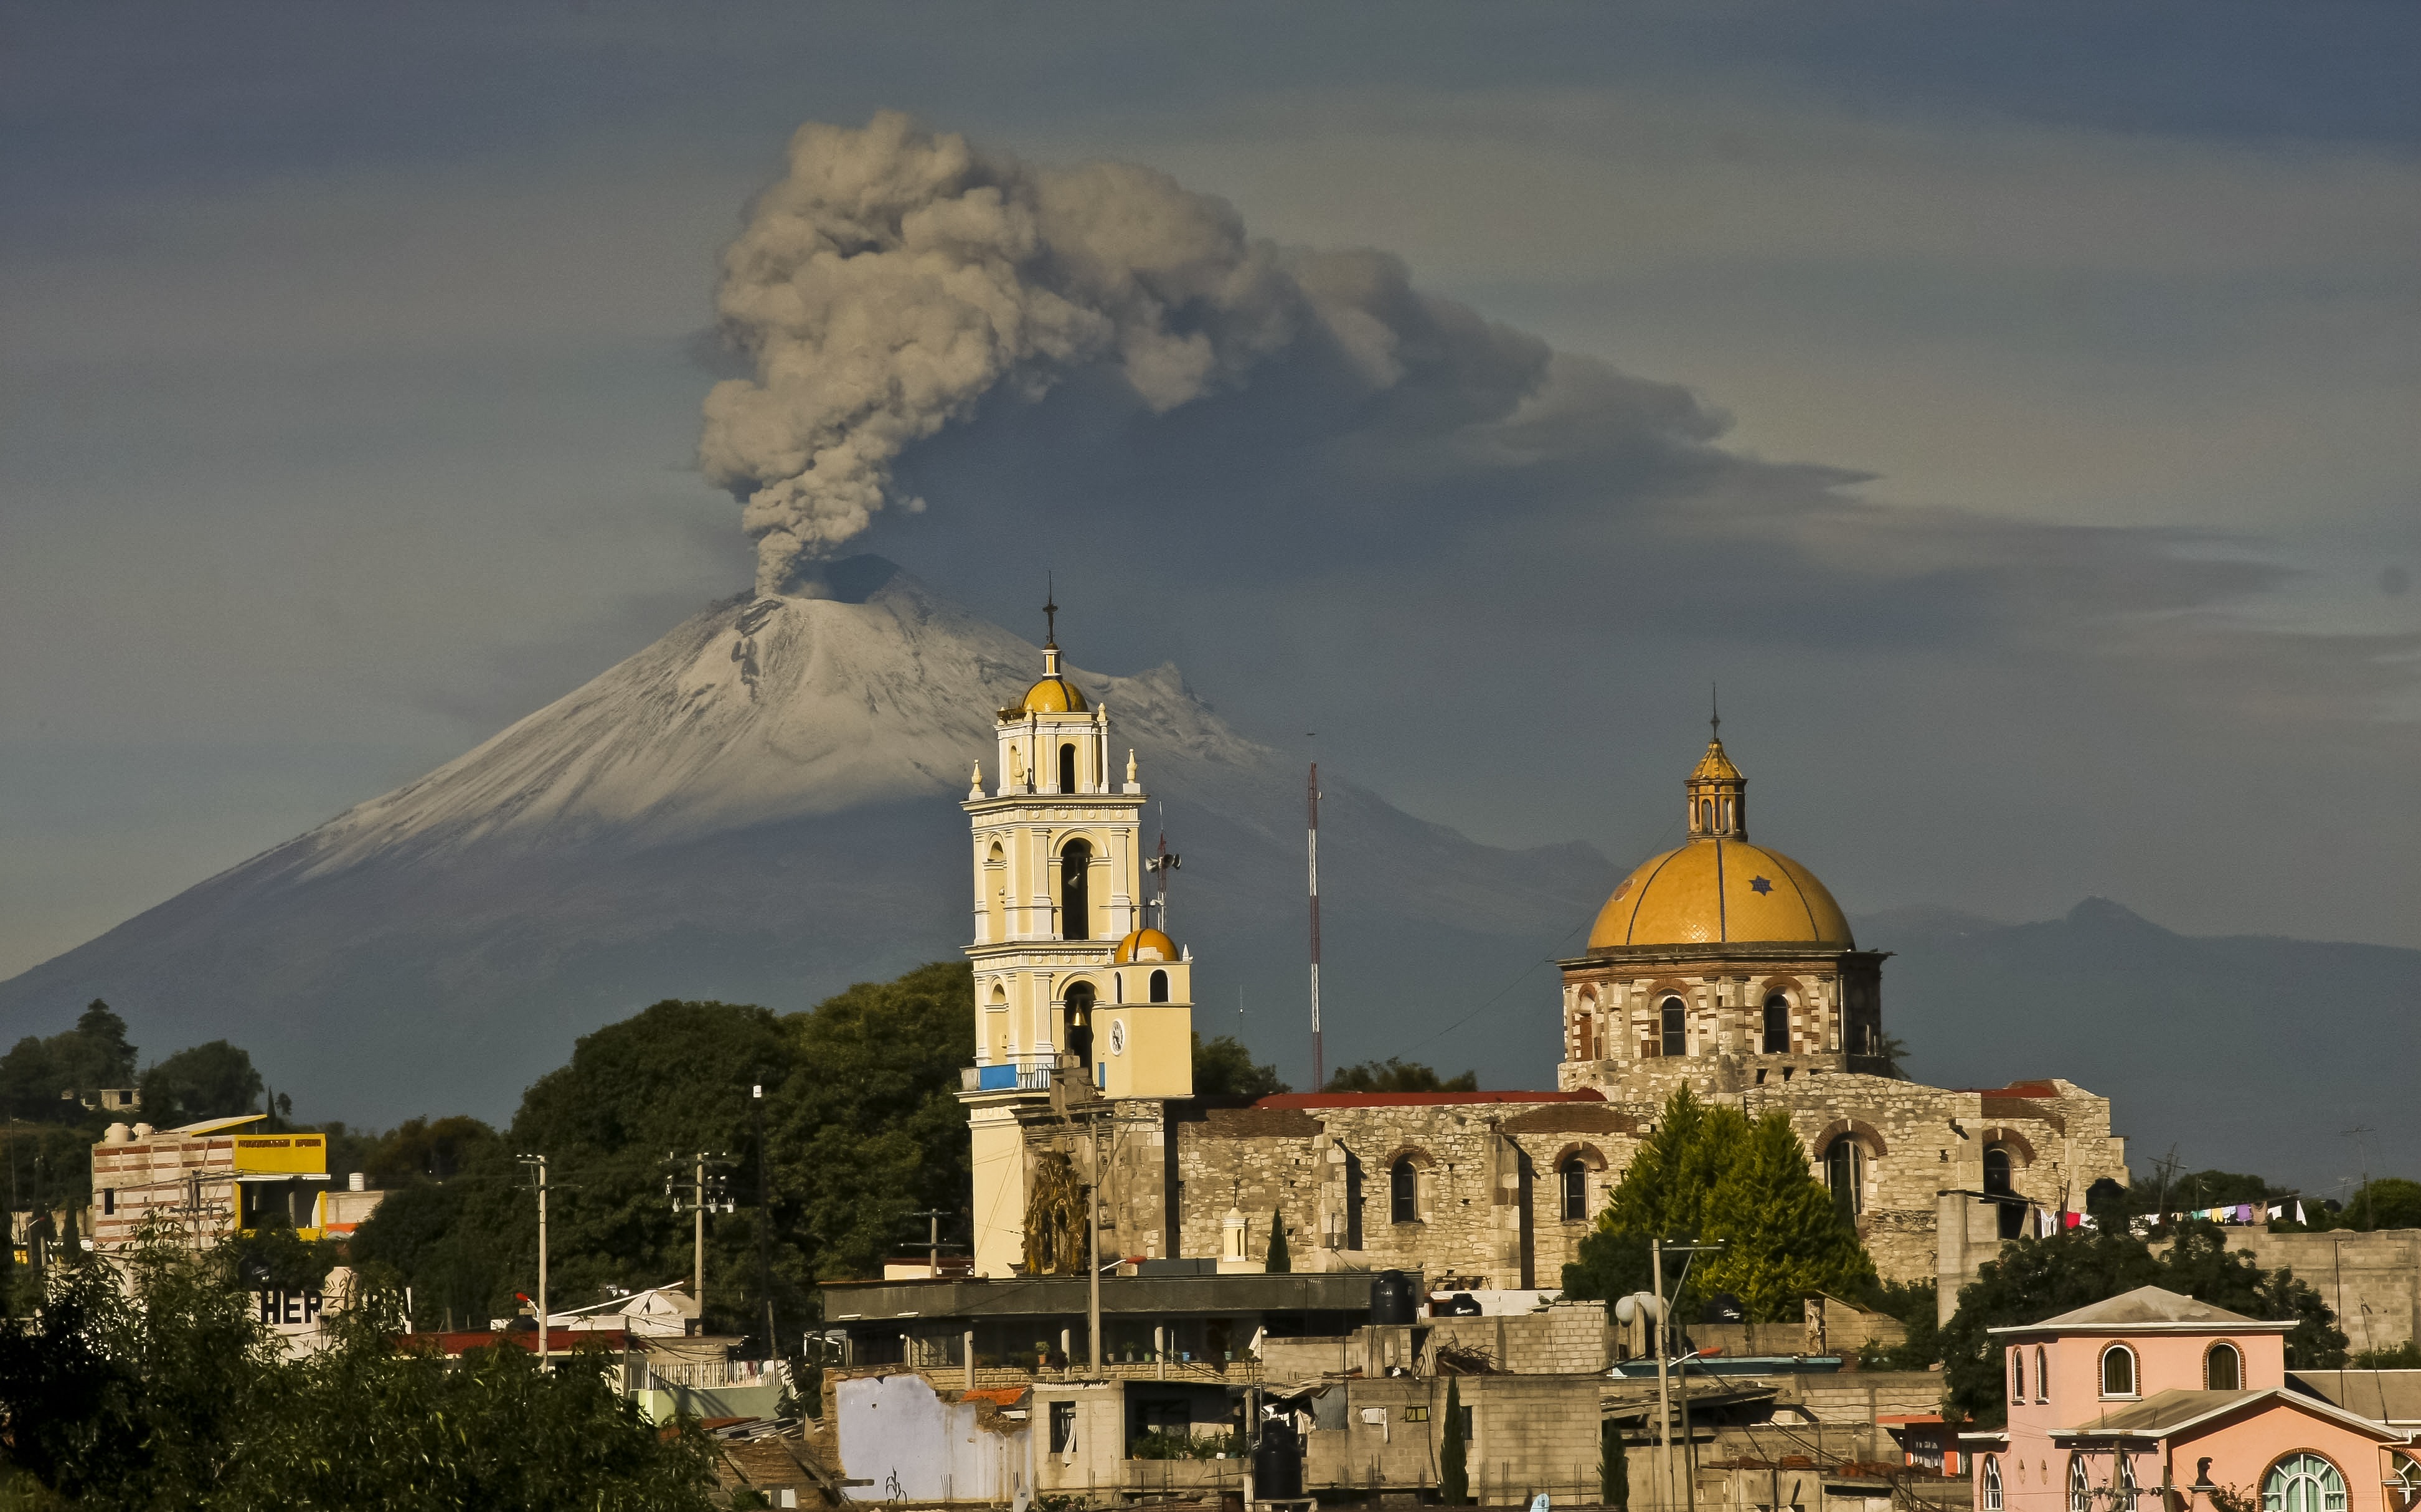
896, 276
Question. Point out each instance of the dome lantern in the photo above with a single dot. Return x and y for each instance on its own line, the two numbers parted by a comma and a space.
1718, 792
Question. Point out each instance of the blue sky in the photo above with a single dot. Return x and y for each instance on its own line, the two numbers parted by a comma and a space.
2058, 537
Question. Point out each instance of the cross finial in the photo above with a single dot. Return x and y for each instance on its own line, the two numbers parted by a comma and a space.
1049, 613
1715, 715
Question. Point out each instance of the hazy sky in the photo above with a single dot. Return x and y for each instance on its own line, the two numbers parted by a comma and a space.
2014, 408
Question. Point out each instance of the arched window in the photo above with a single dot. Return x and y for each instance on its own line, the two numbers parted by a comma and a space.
1842, 1174
2302, 1482
1159, 986
1574, 1174
2017, 1377
1777, 1025
2127, 1491
2118, 1371
1404, 1191
1080, 1024
1707, 816
1067, 768
2080, 1486
1075, 905
1676, 1030
2223, 1369
1991, 1483
2043, 1375
2000, 1181
1353, 1201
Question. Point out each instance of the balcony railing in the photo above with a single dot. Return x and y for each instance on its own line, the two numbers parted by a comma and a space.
1018, 1073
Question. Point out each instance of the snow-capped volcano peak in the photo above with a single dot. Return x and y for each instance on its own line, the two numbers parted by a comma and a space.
865, 688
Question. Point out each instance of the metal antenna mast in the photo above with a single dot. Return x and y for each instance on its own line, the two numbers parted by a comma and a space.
1319, 1070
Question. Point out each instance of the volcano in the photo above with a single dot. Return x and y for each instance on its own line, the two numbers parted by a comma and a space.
762, 807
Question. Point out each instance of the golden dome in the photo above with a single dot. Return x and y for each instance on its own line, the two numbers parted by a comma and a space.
1052, 695
1718, 888
1145, 944
1712, 891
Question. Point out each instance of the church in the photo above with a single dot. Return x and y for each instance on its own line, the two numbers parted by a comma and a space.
1719, 964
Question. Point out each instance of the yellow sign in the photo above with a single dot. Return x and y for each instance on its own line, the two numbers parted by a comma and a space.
296, 1154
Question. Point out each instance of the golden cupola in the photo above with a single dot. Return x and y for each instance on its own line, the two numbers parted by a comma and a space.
1716, 888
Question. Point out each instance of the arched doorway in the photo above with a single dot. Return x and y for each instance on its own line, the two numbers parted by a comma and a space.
1075, 899
2000, 1181
1844, 1174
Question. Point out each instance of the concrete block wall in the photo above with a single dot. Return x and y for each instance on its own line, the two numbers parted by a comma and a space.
2371, 1281
1568, 1338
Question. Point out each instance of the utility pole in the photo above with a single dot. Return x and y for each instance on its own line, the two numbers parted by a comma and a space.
705, 1191
1093, 1242
1663, 1399
538, 1163
764, 1219
1319, 1070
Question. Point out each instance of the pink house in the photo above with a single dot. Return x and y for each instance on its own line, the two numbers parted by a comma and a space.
2153, 1402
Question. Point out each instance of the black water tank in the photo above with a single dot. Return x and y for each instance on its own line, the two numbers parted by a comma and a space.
1723, 1307
1392, 1299
1277, 1463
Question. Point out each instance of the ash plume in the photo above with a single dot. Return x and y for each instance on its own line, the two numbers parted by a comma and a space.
896, 276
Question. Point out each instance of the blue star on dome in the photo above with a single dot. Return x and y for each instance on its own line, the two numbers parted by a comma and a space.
1758, 885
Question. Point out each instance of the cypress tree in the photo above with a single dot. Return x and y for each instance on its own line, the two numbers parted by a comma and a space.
1613, 1468
1454, 1482
1783, 1237
1279, 1259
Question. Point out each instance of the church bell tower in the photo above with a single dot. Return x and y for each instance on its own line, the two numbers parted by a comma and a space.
1072, 982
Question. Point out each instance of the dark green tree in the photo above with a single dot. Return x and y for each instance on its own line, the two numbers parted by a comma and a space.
167, 1393
2384, 1202
1453, 1479
97, 1054
869, 1128
1223, 1067
2039, 1278
214, 1080
1665, 1191
1392, 1075
1279, 1261
1612, 1467
1783, 1237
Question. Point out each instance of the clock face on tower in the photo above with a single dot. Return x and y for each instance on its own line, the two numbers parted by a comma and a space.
1117, 1037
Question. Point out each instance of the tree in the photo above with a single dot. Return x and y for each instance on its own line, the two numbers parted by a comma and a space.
97, 1055
1223, 1067
1453, 1483
92, 1056
869, 1128
1612, 1467
2384, 1202
1392, 1075
1783, 1237
208, 1081
1279, 1261
1665, 1191
169, 1393
862, 1127
2039, 1278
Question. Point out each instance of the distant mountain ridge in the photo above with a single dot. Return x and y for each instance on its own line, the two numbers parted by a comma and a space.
763, 806
2249, 1053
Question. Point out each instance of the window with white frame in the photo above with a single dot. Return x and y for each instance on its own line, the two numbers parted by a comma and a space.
1992, 1483
2302, 1482
2118, 1371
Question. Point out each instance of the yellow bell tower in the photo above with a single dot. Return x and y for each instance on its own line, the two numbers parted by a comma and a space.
1069, 976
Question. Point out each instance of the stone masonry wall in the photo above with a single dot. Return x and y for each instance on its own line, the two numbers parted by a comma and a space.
1489, 1208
